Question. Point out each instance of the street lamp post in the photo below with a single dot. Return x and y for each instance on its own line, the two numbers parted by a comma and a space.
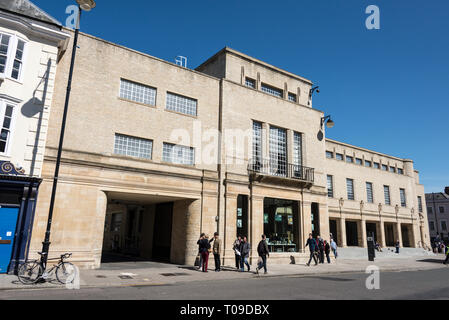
85, 5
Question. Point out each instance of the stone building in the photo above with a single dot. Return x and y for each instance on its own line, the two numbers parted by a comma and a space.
30, 42
438, 214
156, 153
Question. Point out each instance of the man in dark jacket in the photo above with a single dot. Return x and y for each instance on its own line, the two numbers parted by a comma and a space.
262, 250
204, 246
245, 249
327, 251
320, 245
311, 243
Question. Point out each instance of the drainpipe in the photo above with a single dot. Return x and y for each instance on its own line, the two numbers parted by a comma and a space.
435, 213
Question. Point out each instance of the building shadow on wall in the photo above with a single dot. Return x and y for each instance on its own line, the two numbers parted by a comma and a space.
36, 106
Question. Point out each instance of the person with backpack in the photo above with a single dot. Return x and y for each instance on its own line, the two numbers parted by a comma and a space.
327, 251
320, 245
262, 250
311, 243
204, 246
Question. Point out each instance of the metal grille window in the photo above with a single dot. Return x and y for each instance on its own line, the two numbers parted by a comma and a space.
297, 149
420, 207
4, 45
272, 90
359, 161
250, 83
330, 186
257, 143
350, 188
368, 164
18, 60
137, 92
384, 167
403, 198
387, 195
133, 147
278, 151
181, 104
376, 165
369, 192
339, 156
349, 159
6, 116
178, 154
292, 97
329, 155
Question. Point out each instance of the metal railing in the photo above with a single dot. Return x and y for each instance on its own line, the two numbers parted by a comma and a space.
281, 169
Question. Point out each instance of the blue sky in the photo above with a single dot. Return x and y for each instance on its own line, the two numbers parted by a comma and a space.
387, 89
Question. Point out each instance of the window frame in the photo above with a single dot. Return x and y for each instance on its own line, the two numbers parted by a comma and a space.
369, 192
353, 189
11, 56
122, 80
183, 97
3, 106
387, 188
330, 183
169, 161
403, 197
136, 138
272, 90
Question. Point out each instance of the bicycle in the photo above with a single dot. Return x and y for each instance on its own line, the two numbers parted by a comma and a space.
32, 272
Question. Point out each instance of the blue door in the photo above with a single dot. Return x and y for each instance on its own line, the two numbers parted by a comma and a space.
8, 222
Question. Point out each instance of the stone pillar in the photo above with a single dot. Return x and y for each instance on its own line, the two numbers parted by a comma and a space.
363, 239
230, 229
342, 233
398, 234
192, 211
306, 220
381, 236
255, 225
98, 228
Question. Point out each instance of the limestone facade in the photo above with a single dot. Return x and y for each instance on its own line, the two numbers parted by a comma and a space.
224, 189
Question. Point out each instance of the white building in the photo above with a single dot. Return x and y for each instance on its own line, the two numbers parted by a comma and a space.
30, 43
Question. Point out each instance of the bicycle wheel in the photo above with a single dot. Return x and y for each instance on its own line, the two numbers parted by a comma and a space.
66, 273
30, 272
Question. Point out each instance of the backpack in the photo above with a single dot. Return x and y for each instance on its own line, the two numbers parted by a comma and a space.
261, 248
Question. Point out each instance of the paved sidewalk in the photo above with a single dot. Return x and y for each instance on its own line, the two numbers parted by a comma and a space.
164, 274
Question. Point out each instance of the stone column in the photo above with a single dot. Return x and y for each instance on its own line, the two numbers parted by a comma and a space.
306, 220
98, 228
255, 225
192, 228
230, 229
399, 234
363, 243
381, 236
342, 233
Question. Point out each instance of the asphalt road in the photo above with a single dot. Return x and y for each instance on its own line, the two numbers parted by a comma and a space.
432, 284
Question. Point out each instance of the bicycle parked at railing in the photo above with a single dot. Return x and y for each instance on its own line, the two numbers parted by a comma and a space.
32, 272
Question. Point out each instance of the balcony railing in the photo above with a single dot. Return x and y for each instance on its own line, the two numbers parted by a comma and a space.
281, 169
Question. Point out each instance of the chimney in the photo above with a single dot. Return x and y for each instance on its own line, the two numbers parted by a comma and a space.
446, 190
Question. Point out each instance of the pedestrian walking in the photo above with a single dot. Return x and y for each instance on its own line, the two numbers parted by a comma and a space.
320, 244
236, 248
334, 248
398, 246
262, 250
311, 243
204, 246
327, 251
216, 249
245, 249
200, 258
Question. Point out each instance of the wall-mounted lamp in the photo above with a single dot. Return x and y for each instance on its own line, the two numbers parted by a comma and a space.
313, 90
328, 121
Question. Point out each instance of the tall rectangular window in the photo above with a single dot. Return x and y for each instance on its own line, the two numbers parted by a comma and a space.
403, 198
4, 46
429, 210
18, 60
136, 92
420, 207
250, 83
292, 97
443, 225
178, 154
181, 104
387, 195
369, 192
257, 143
133, 147
350, 189
297, 149
432, 225
330, 186
278, 151
441, 209
272, 90
6, 119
